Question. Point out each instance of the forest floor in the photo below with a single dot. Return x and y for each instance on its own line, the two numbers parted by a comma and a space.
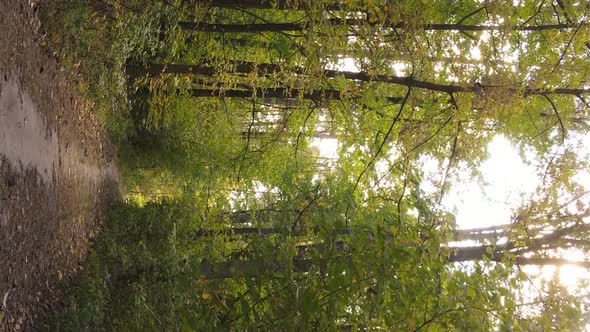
58, 173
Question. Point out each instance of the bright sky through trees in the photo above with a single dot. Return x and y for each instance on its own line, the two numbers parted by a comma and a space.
505, 182
509, 182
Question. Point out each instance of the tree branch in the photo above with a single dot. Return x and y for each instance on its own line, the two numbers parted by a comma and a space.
395, 120
563, 132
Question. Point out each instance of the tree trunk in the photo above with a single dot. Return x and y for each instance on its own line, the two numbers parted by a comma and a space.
279, 93
264, 69
290, 27
260, 231
263, 134
245, 268
494, 253
267, 4
232, 269
255, 216
247, 28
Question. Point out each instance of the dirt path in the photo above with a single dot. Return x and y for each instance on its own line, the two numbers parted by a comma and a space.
58, 173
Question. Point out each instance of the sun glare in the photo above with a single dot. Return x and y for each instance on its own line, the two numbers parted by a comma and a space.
507, 181
328, 147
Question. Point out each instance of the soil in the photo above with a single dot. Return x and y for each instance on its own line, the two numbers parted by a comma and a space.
58, 173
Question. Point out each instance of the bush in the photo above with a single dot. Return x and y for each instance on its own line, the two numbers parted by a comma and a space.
133, 270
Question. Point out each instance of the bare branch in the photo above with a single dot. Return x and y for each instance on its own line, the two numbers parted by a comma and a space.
563, 132
567, 46
470, 14
395, 120
535, 13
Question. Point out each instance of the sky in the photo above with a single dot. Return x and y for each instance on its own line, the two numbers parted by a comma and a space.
508, 182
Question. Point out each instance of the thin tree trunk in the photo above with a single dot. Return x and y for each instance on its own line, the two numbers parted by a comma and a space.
244, 28
279, 93
267, 4
242, 231
231, 269
265, 69
260, 231
256, 216
456, 254
263, 134
290, 27
245, 268
459, 235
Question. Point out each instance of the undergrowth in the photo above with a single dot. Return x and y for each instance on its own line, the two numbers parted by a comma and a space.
140, 271
94, 41
132, 271
139, 258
